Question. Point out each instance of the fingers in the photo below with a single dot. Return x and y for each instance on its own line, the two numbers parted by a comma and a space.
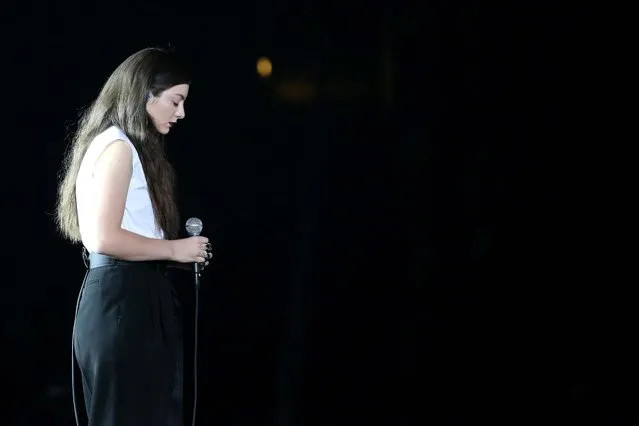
200, 256
208, 250
205, 252
205, 245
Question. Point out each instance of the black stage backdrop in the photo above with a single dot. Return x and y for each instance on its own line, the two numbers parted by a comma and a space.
392, 210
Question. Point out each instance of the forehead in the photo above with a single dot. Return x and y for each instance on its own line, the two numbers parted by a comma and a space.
179, 90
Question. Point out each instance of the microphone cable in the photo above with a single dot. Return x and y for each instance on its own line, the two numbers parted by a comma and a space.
198, 269
193, 228
73, 361
85, 259
197, 309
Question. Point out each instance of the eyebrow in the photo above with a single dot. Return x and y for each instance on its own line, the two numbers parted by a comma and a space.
181, 96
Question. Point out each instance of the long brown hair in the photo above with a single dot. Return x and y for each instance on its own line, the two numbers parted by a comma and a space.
122, 103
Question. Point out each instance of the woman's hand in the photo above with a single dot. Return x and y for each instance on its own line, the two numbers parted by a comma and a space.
191, 250
187, 266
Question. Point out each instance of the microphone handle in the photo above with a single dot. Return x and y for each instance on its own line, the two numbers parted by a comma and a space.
197, 268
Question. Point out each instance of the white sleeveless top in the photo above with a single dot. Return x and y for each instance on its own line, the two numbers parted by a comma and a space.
138, 211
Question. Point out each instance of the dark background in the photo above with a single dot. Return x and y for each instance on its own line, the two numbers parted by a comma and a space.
398, 211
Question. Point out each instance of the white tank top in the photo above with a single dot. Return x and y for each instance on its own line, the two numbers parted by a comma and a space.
138, 211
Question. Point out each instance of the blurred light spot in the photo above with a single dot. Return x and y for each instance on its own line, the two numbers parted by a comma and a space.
264, 67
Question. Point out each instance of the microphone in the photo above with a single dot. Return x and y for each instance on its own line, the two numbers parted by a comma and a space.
194, 228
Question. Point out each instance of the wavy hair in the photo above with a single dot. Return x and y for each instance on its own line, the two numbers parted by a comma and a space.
122, 103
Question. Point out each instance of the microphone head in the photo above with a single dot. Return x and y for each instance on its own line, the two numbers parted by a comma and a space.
194, 226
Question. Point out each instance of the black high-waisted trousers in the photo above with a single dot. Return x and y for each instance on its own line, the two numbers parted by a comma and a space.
127, 347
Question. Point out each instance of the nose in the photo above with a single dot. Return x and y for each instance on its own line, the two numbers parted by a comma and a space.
180, 112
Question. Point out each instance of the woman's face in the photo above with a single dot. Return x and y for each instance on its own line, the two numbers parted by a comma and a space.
168, 107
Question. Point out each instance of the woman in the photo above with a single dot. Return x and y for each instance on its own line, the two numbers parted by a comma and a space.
117, 198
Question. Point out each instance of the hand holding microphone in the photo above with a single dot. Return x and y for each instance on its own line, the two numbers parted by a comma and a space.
195, 249
194, 228
191, 250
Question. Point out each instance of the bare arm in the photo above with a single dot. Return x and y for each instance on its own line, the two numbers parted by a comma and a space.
112, 175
